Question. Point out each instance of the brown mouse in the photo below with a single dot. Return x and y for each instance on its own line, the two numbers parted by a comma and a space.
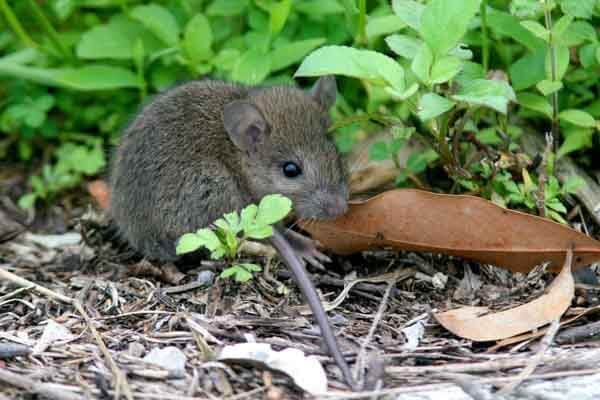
206, 148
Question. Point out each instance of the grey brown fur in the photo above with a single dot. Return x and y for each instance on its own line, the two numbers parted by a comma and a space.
177, 168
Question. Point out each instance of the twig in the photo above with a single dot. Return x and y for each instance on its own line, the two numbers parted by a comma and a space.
440, 386
359, 367
35, 387
545, 344
17, 280
553, 68
472, 387
8, 350
540, 198
118, 375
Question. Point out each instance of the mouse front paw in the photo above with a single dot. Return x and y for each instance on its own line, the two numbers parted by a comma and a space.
306, 249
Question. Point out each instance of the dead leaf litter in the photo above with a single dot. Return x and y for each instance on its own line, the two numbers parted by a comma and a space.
90, 319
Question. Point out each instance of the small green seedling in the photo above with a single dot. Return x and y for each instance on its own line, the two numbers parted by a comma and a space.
224, 238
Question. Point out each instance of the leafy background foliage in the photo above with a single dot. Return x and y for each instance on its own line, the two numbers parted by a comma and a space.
460, 76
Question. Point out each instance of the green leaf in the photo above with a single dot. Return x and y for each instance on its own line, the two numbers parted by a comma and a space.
537, 29
469, 72
228, 272
27, 201
250, 267
379, 151
557, 206
576, 139
209, 239
577, 117
526, 8
578, 33
290, 53
273, 208
90, 77
319, 7
444, 23
432, 105
561, 26
252, 68
197, 39
279, 12
258, 232
364, 64
573, 184
535, 102
115, 40
528, 70
421, 64
578, 8
417, 162
188, 243
403, 45
242, 276
159, 21
562, 62
226, 8
248, 215
230, 222
409, 12
445, 68
383, 25
488, 136
490, 93
547, 87
505, 24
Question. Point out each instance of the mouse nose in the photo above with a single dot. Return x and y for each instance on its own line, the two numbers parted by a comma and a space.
336, 206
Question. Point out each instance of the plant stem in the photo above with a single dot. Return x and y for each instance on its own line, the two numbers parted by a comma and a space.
15, 25
485, 44
362, 21
53, 36
551, 49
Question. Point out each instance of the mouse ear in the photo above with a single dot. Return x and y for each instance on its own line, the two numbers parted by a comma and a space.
245, 124
324, 91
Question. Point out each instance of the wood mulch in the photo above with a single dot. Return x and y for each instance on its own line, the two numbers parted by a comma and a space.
116, 308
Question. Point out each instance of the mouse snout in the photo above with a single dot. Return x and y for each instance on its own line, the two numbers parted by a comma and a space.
334, 206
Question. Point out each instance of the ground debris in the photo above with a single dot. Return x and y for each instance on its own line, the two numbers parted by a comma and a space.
165, 326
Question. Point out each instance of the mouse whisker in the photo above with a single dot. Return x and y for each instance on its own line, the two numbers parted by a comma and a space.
360, 162
289, 228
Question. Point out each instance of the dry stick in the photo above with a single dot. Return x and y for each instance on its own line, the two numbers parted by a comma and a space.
472, 388
32, 386
120, 378
545, 344
540, 198
362, 354
439, 386
17, 280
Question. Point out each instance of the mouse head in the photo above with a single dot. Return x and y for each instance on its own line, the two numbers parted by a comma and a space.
281, 133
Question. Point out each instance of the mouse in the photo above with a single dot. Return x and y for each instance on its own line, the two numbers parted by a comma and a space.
207, 147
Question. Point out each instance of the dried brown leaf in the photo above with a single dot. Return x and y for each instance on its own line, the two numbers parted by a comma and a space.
466, 322
465, 226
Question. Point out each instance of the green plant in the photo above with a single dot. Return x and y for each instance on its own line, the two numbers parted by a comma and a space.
440, 82
73, 162
467, 79
224, 238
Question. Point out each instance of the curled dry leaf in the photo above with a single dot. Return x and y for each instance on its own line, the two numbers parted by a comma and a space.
468, 323
465, 226
99, 190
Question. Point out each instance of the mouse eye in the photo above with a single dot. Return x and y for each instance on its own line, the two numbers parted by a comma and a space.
291, 169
